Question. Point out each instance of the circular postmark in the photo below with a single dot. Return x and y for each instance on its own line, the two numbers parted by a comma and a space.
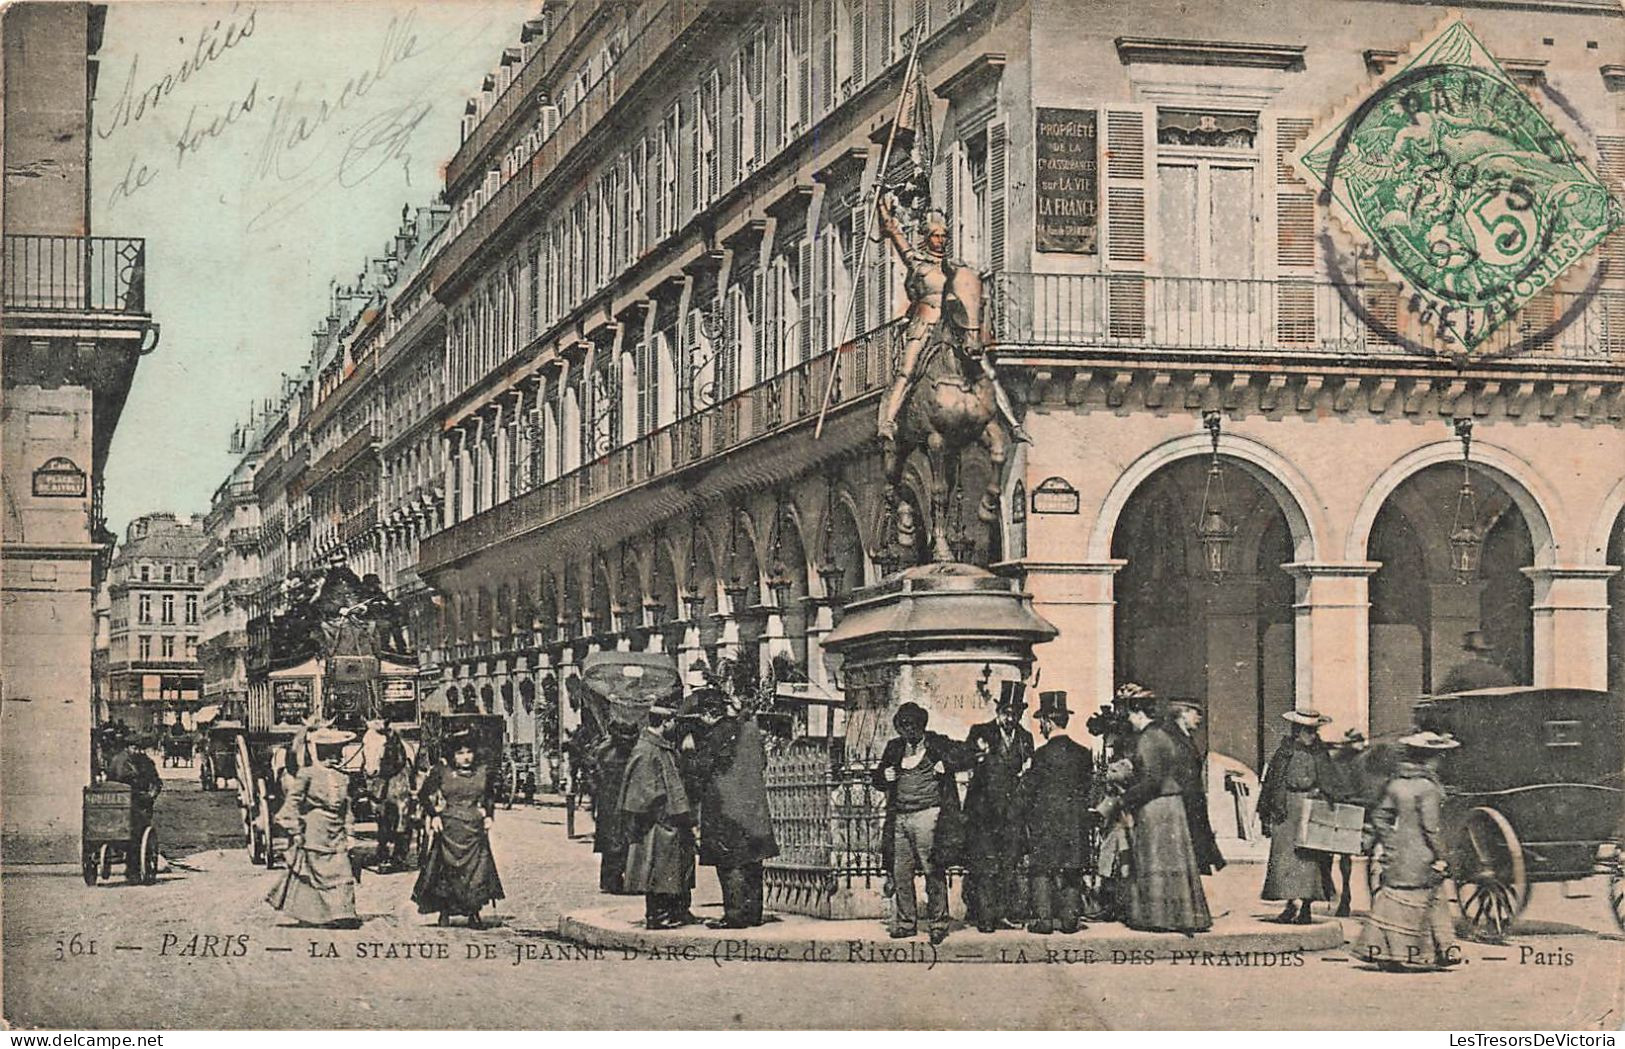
1462, 186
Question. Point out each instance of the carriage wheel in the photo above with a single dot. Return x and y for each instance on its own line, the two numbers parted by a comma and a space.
92, 865
149, 857
1616, 885
1492, 885
263, 823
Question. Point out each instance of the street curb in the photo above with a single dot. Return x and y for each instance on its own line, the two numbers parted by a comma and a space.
1240, 942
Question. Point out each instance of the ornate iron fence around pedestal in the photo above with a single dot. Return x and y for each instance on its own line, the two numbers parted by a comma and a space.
827, 817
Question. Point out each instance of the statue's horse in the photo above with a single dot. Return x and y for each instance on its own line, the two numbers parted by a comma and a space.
952, 406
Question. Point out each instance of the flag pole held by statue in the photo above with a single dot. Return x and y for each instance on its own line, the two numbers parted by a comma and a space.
911, 80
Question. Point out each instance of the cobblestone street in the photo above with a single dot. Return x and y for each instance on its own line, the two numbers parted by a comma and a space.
201, 949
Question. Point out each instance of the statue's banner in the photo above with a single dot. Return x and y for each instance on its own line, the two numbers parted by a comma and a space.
1067, 187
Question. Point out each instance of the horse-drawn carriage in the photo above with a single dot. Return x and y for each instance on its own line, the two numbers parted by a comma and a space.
217, 757
1535, 792
259, 790
177, 750
117, 826
616, 686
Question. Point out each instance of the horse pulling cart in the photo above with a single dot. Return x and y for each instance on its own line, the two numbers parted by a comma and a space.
1535, 792
117, 826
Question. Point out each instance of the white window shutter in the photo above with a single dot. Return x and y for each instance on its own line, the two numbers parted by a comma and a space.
1128, 158
805, 297
997, 178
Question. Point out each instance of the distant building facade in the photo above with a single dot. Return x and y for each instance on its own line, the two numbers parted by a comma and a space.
156, 591
76, 323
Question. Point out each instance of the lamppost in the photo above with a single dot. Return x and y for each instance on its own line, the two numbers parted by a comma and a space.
1466, 535
1213, 531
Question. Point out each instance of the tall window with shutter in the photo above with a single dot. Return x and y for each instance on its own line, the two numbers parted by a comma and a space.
997, 177
827, 72
1126, 153
710, 175
638, 188
648, 374
803, 307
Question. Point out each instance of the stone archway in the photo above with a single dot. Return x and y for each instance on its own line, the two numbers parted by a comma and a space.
1421, 611
1231, 641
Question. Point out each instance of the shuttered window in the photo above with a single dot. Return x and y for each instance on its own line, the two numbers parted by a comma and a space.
1126, 152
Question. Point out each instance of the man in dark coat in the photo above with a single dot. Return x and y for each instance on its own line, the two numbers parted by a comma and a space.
1479, 671
609, 838
1002, 750
1184, 716
1055, 809
736, 833
923, 829
659, 825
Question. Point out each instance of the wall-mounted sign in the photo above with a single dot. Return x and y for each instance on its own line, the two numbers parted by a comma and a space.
290, 701
59, 478
1055, 496
1066, 195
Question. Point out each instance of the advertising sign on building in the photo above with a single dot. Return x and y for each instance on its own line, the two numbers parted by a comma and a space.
291, 701
1067, 186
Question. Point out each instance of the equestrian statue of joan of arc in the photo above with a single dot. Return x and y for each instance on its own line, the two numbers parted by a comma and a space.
946, 396
945, 303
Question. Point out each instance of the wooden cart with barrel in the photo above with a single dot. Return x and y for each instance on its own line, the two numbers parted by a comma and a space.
117, 828
1535, 793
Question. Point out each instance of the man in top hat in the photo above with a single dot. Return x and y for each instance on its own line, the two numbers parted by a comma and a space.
1184, 717
1055, 812
923, 829
1002, 750
659, 821
1480, 669
729, 761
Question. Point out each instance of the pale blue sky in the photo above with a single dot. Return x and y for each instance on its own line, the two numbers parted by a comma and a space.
247, 227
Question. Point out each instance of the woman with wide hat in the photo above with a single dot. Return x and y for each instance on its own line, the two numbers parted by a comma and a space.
319, 886
459, 875
1300, 770
1165, 886
1409, 926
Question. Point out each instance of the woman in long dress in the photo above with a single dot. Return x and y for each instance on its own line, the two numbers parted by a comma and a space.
1300, 770
1165, 887
1409, 926
460, 874
319, 886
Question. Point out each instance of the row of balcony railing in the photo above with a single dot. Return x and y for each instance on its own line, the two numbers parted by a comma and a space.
1152, 315
79, 274
787, 399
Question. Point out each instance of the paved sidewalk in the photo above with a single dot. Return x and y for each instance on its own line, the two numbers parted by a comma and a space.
1241, 929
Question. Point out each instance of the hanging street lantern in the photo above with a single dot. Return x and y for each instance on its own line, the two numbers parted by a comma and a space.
1214, 532
830, 572
778, 576
1466, 535
693, 596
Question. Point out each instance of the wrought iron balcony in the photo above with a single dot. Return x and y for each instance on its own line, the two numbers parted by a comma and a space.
793, 397
1286, 317
75, 274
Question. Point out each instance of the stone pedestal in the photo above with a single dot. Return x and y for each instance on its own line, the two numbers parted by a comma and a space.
943, 636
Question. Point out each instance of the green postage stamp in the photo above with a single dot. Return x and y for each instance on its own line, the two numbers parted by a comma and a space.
1462, 187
